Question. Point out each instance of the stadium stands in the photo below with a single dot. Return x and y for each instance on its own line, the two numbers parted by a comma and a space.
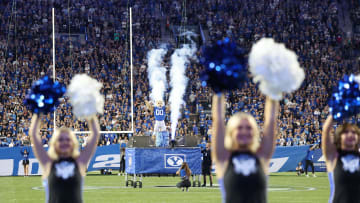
92, 38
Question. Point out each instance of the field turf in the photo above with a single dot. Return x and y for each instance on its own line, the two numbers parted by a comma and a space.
283, 187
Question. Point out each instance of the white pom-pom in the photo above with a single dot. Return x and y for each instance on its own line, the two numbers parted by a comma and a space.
357, 79
85, 97
275, 68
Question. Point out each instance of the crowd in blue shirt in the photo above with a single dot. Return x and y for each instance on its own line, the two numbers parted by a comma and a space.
99, 47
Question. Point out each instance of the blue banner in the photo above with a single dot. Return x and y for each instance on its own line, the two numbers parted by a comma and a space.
162, 160
319, 161
153, 160
105, 157
287, 158
11, 160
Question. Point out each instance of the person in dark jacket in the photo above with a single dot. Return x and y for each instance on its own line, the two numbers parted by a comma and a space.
310, 160
206, 165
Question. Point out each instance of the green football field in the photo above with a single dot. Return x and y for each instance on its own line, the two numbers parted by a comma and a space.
283, 187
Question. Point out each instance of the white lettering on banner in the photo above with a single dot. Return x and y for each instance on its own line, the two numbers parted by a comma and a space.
7, 166
277, 163
31, 165
108, 160
322, 158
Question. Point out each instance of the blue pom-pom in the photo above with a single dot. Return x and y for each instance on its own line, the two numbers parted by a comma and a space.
43, 97
345, 99
225, 66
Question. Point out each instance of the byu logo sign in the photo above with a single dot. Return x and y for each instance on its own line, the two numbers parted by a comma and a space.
174, 160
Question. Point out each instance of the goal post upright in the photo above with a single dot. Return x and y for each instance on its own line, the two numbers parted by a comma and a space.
131, 89
53, 57
131, 73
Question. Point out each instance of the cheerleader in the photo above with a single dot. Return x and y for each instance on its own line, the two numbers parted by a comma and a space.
241, 156
63, 165
341, 151
25, 154
184, 172
241, 159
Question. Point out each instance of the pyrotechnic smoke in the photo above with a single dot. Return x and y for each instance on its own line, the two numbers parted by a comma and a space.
156, 74
178, 82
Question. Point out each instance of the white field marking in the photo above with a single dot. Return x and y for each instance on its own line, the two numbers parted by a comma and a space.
89, 187
270, 189
278, 188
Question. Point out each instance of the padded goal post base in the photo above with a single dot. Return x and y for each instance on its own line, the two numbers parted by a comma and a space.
133, 183
161, 161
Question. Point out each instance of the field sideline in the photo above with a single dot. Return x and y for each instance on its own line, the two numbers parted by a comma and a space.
283, 187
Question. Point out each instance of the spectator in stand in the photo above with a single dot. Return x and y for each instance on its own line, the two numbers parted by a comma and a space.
195, 129
310, 28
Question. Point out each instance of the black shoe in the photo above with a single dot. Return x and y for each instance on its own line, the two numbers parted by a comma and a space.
210, 184
203, 185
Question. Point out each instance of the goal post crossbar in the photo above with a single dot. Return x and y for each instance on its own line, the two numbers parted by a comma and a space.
104, 132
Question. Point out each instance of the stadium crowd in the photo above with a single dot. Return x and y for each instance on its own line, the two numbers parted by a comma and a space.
310, 28
99, 46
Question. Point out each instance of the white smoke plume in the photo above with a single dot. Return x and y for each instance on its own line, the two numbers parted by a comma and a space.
156, 74
178, 82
